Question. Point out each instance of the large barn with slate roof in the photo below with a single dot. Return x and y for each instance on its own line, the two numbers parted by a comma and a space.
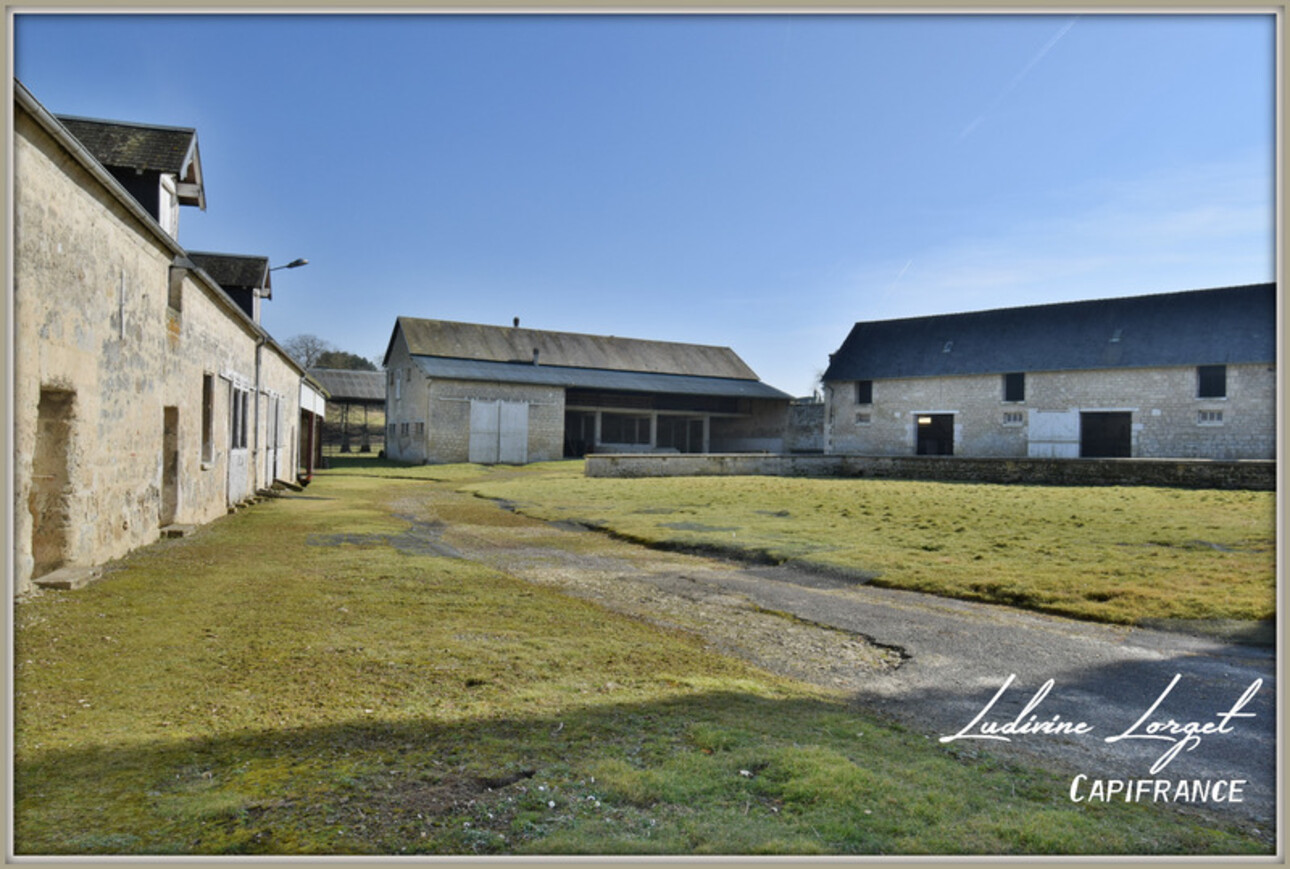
468, 392
1175, 375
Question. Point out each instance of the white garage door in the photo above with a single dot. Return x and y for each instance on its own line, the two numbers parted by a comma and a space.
1054, 434
499, 432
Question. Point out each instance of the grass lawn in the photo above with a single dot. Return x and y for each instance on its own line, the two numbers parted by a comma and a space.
286, 681
1116, 554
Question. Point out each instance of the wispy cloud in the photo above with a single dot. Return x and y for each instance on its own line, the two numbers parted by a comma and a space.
1185, 228
1017, 79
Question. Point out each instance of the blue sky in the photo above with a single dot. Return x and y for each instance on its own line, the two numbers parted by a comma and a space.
755, 181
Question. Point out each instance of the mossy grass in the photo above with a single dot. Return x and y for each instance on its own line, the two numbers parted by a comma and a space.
289, 680
1125, 555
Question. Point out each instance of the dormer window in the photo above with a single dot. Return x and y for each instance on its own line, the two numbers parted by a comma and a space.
159, 166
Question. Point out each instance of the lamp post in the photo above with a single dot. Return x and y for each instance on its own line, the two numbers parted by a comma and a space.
294, 264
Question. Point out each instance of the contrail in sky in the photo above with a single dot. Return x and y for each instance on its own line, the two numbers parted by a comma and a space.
901, 275
1019, 77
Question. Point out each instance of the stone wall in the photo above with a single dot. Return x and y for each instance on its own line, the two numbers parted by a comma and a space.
1167, 419
760, 428
449, 424
428, 420
805, 433
122, 379
1201, 474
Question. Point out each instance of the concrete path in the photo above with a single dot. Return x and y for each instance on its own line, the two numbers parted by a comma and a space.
954, 657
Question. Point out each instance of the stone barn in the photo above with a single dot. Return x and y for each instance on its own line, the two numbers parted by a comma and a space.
459, 392
144, 397
1174, 375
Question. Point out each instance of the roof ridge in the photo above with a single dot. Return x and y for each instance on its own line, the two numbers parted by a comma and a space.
503, 328
1072, 303
115, 123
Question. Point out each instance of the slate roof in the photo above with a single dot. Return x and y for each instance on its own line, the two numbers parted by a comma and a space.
587, 378
344, 385
1229, 325
136, 146
235, 271
447, 339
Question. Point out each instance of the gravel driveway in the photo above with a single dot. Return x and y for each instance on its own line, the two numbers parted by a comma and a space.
935, 664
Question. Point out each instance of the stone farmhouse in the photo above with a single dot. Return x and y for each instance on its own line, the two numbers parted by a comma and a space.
146, 400
459, 392
1175, 375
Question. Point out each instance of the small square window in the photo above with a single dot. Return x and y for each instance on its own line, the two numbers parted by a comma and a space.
1014, 418
864, 392
1209, 417
863, 418
1211, 381
1014, 387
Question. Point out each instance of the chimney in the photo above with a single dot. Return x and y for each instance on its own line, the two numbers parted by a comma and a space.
516, 323
535, 356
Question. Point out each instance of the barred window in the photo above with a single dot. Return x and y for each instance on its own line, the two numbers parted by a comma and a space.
864, 392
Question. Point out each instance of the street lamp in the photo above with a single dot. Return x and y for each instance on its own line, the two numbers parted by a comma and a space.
294, 264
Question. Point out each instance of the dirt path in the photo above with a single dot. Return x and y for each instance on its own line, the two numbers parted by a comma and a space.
931, 663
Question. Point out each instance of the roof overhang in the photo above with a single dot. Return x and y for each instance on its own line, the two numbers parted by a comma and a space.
592, 378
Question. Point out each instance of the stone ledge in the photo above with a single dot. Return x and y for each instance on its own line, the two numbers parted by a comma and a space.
69, 578
1259, 475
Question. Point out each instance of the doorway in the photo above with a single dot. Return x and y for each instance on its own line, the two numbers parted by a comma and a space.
51, 484
683, 434
1106, 434
579, 433
935, 435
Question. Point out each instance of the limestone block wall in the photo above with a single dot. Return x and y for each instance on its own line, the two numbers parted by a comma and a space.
407, 407
428, 420
1168, 420
122, 378
1178, 473
762, 428
279, 418
805, 432
448, 426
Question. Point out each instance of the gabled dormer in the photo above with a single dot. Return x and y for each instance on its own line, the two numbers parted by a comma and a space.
160, 166
244, 278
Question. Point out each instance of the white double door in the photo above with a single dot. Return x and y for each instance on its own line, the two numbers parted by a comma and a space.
499, 432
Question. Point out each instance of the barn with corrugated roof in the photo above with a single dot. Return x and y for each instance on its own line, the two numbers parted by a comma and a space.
459, 392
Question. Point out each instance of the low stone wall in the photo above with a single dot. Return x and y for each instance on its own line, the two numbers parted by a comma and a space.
1183, 473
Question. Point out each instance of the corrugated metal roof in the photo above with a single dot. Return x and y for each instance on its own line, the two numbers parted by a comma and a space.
483, 343
1229, 325
585, 378
344, 385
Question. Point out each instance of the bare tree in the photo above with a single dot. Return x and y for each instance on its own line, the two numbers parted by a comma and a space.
306, 349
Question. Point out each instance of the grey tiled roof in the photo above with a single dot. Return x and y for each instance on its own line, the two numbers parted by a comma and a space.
442, 338
587, 378
134, 146
234, 270
344, 385
1229, 325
